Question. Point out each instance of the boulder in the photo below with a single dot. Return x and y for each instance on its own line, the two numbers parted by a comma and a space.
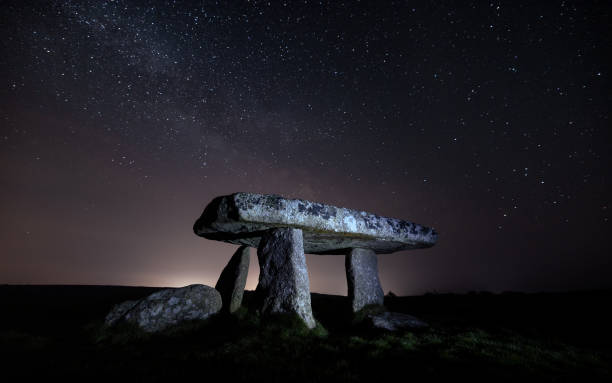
119, 311
168, 307
362, 279
283, 277
395, 321
233, 279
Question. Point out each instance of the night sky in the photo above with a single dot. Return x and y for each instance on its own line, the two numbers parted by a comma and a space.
489, 121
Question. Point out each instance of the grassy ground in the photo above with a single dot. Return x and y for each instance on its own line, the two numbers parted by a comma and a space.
55, 331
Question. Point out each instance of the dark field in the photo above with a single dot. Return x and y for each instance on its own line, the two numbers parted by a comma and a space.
56, 332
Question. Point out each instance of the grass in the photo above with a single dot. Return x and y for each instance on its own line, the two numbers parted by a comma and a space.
245, 347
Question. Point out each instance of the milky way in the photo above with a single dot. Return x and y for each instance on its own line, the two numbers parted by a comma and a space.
489, 121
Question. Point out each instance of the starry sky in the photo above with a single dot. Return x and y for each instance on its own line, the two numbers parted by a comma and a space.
489, 121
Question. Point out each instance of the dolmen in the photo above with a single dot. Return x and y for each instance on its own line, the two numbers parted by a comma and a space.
284, 229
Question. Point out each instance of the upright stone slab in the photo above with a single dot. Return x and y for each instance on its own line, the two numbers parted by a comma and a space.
233, 279
362, 279
283, 277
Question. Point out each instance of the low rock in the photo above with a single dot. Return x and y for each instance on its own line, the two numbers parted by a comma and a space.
395, 321
168, 307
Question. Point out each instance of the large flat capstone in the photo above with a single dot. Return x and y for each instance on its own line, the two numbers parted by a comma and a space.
242, 218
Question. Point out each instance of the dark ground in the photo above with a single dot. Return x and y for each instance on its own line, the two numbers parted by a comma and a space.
55, 332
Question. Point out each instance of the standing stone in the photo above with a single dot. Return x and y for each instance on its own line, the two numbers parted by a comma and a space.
233, 279
362, 279
283, 277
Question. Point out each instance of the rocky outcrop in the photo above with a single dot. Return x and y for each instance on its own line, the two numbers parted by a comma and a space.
233, 279
168, 307
283, 277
